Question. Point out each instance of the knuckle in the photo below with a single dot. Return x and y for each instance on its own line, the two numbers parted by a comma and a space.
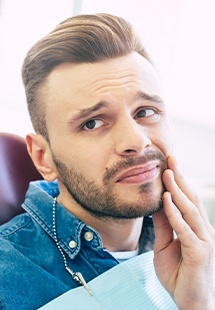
209, 246
196, 198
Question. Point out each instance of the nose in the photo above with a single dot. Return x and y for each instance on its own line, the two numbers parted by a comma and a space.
131, 139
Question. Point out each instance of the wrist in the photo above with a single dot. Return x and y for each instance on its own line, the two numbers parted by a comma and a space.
208, 305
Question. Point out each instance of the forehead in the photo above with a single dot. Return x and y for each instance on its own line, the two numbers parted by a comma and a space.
75, 86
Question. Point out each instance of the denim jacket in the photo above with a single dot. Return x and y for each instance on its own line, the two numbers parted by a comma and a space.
32, 269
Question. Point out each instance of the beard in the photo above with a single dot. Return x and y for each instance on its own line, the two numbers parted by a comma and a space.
102, 201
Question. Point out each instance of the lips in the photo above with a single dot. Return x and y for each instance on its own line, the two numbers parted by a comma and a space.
137, 174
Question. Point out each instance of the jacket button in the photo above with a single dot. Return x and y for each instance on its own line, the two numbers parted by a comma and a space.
72, 244
88, 236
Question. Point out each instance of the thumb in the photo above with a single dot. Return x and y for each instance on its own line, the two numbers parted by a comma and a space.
163, 230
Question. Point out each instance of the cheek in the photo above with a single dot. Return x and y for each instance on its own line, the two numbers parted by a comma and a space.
86, 158
166, 145
162, 139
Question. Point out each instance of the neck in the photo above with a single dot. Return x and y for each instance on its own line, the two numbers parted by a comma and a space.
117, 235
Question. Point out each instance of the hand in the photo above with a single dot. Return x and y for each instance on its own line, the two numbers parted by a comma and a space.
184, 264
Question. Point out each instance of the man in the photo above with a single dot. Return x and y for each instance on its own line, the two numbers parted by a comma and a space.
102, 131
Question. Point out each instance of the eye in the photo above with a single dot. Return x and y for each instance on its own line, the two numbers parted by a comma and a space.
145, 113
92, 124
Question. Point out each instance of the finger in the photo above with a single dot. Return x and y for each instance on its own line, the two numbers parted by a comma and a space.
188, 210
163, 231
186, 188
181, 181
182, 229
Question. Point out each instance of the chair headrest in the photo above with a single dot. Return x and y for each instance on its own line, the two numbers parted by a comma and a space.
16, 171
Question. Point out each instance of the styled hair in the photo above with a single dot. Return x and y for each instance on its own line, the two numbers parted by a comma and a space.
79, 39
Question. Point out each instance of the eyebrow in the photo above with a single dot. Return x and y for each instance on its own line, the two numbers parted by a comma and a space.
85, 113
152, 98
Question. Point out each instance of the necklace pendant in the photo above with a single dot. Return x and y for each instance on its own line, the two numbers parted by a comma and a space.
77, 276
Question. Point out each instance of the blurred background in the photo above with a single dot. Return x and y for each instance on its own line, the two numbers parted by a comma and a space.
179, 36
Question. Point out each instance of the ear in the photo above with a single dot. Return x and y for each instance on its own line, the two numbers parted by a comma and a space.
40, 153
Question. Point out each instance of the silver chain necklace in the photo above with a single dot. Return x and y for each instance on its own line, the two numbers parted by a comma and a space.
77, 276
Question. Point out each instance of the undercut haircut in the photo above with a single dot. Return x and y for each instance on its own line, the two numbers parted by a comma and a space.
79, 39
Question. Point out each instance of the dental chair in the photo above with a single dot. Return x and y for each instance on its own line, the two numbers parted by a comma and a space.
16, 171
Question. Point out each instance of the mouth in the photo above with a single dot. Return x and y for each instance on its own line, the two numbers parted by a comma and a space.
140, 174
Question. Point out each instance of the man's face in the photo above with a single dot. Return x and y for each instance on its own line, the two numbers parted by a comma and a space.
109, 136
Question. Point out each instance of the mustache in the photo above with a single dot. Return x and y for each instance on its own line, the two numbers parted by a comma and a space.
134, 161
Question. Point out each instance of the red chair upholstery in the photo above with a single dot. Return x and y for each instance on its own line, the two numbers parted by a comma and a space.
16, 171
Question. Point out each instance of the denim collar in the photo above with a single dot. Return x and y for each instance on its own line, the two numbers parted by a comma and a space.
70, 230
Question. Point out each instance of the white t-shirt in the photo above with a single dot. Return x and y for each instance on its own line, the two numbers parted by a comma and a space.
124, 255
